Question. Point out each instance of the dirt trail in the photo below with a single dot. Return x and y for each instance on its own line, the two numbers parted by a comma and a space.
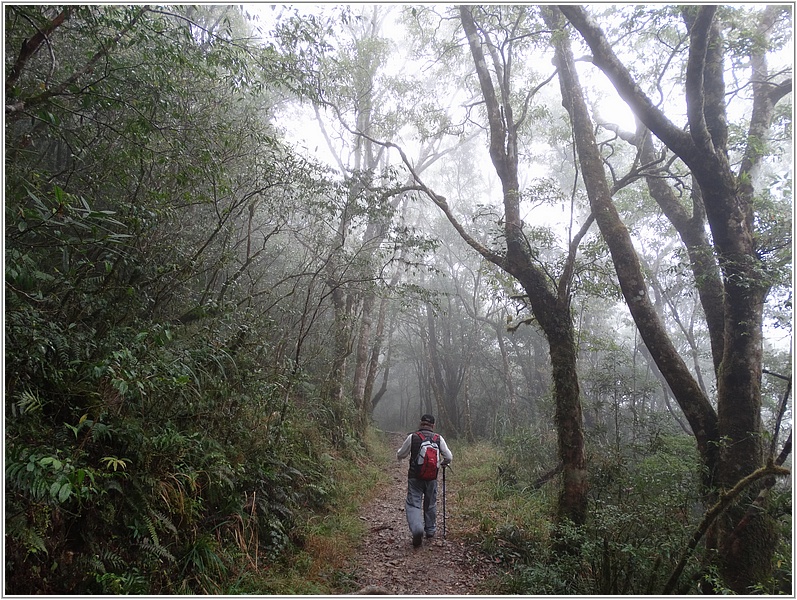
386, 562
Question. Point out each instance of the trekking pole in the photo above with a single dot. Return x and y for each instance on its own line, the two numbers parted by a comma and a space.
445, 468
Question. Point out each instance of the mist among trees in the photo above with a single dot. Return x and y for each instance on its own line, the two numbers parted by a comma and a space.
238, 238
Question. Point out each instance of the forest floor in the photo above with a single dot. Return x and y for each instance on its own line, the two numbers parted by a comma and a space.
387, 563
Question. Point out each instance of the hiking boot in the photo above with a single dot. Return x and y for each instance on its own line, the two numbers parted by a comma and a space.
417, 539
429, 536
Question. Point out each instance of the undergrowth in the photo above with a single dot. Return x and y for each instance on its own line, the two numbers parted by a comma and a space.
328, 538
643, 509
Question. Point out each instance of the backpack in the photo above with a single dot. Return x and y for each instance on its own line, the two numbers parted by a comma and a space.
427, 457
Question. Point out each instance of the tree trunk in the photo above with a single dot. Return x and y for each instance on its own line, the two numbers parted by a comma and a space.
362, 402
373, 365
550, 307
445, 378
696, 405
511, 393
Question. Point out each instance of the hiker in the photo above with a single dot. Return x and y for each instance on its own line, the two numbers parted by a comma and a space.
422, 477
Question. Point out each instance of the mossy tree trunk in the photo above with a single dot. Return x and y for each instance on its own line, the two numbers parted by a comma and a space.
549, 301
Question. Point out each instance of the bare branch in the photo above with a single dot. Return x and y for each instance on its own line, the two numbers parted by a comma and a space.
606, 60
695, 72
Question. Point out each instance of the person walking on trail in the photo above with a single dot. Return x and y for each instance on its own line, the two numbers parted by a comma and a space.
428, 452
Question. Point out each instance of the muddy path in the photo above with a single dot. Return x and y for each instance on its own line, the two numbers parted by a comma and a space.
387, 563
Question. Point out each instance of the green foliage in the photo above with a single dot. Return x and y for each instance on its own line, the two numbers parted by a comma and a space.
527, 454
507, 518
774, 231
166, 500
156, 439
642, 513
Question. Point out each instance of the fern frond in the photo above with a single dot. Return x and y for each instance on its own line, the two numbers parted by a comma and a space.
110, 559
164, 520
158, 550
90, 562
150, 525
19, 529
29, 402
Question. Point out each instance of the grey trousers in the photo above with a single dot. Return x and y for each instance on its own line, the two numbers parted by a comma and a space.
421, 506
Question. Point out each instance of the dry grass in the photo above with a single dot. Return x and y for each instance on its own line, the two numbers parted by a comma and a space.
486, 506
